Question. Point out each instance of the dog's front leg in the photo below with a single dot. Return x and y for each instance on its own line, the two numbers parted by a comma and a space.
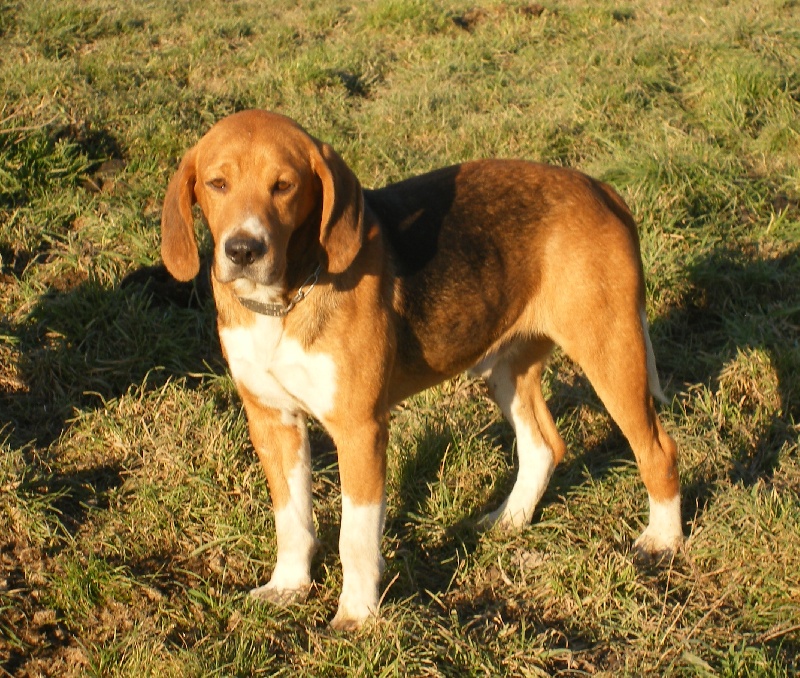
280, 439
362, 467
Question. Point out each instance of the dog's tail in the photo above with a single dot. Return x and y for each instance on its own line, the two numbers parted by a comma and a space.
652, 374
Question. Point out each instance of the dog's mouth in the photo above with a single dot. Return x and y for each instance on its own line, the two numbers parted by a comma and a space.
251, 290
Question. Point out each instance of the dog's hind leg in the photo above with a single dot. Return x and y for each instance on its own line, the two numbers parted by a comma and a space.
615, 353
514, 382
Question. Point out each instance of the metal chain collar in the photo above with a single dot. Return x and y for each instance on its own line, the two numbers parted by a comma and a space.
282, 310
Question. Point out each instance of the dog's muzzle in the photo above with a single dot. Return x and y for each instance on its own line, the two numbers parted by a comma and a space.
245, 250
246, 256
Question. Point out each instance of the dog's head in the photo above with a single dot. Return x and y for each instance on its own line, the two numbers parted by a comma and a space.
261, 182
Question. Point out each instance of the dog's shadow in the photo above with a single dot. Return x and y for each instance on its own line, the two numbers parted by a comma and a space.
740, 313
83, 344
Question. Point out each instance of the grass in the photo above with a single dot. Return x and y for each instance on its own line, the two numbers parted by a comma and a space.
134, 516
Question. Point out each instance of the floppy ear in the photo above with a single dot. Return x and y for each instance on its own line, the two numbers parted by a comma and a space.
342, 228
178, 243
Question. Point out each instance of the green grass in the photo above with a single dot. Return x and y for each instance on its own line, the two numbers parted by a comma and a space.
134, 515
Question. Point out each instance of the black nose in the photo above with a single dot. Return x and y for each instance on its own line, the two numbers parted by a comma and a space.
243, 251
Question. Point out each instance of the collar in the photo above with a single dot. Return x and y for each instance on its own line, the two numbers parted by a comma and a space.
282, 310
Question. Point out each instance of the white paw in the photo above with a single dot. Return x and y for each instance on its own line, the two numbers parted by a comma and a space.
504, 519
654, 545
351, 616
664, 534
281, 596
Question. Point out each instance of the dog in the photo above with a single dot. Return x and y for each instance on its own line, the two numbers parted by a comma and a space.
337, 302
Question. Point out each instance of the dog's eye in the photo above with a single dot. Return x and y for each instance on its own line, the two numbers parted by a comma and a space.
218, 184
282, 186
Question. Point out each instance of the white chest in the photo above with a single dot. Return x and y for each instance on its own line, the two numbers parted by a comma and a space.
278, 370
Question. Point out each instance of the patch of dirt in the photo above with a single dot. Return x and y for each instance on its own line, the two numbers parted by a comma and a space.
14, 261
785, 203
11, 377
106, 178
472, 17
33, 639
65, 281
36, 639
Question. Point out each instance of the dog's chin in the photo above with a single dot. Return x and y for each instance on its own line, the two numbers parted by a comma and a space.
252, 283
256, 290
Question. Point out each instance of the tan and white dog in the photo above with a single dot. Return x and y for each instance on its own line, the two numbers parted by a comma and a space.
337, 302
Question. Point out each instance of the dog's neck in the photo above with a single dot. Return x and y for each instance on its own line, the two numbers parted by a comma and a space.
279, 310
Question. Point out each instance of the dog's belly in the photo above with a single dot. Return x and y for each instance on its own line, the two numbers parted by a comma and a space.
438, 338
277, 371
